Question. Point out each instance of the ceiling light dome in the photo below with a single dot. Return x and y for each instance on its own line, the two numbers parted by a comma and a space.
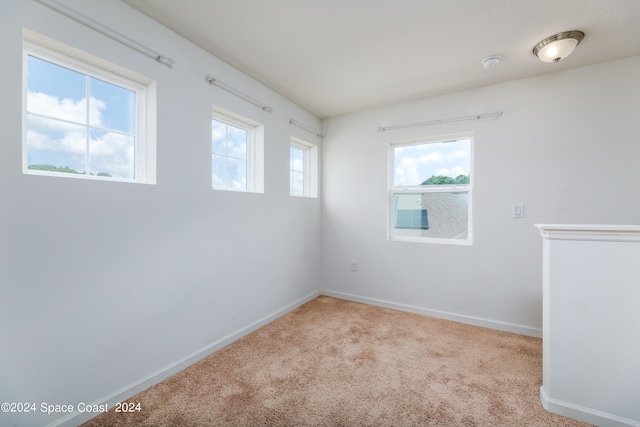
558, 46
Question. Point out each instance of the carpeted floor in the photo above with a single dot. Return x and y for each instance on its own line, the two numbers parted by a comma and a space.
339, 363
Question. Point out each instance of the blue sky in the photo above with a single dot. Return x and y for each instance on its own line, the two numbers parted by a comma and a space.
60, 101
413, 164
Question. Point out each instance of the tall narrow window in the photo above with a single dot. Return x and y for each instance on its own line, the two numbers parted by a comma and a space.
229, 158
431, 186
83, 121
236, 154
297, 170
303, 159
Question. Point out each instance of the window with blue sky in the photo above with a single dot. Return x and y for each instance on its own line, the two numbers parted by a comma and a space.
229, 156
77, 122
297, 170
416, 164
237, 152
430, 197
303, 168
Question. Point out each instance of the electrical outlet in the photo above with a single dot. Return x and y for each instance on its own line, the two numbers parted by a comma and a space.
354, 265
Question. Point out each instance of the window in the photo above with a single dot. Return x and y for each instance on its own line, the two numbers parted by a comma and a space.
431, 187
297, 162
236, 153
85, 121
303, 167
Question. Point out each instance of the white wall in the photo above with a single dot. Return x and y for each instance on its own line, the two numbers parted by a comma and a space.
567, 147
103, 284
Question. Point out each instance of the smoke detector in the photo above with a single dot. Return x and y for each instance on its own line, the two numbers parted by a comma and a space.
491, 61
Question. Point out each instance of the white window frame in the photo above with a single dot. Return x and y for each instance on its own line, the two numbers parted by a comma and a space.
310, 168
419, 189
144, 88
255, 149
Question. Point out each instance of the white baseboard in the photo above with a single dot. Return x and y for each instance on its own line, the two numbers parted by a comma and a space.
130, 390
470, 320
581, 413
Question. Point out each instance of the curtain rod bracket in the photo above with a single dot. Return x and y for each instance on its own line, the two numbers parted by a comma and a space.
165, 60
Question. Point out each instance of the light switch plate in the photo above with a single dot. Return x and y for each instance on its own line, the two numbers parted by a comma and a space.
518, 210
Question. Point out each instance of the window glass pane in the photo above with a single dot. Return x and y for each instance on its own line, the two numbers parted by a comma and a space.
297, 168
297, 159
219, 137
229, 161
237, 174
56, 91
111, 154
236, 142
442, 215
219, 171
297, 183
111, 106
55, 146
436, 163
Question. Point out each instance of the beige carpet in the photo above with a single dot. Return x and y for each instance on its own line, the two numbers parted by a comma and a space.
338, 363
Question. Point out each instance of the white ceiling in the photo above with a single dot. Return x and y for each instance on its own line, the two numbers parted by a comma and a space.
339, 56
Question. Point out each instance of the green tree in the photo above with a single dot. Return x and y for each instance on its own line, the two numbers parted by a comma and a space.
446, 180
462, 179
64, 169
51, 168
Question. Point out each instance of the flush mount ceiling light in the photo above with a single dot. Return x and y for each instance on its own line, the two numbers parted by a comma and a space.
558, 46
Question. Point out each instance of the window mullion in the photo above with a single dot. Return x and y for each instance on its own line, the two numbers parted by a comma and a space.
305, 173
249, 160
88, 129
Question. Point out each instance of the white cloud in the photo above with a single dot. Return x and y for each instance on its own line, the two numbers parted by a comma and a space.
111, 152
406, 171
233, 184
217, 181
453, 172
237, 150
433, 157
239, 184
407, 162
458, 154
407, 176
296, 164
66, 109
71, 142
218, 132
440, 157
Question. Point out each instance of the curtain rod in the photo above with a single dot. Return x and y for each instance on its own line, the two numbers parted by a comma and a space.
92, 23
307, 128
441, 121
215, 82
